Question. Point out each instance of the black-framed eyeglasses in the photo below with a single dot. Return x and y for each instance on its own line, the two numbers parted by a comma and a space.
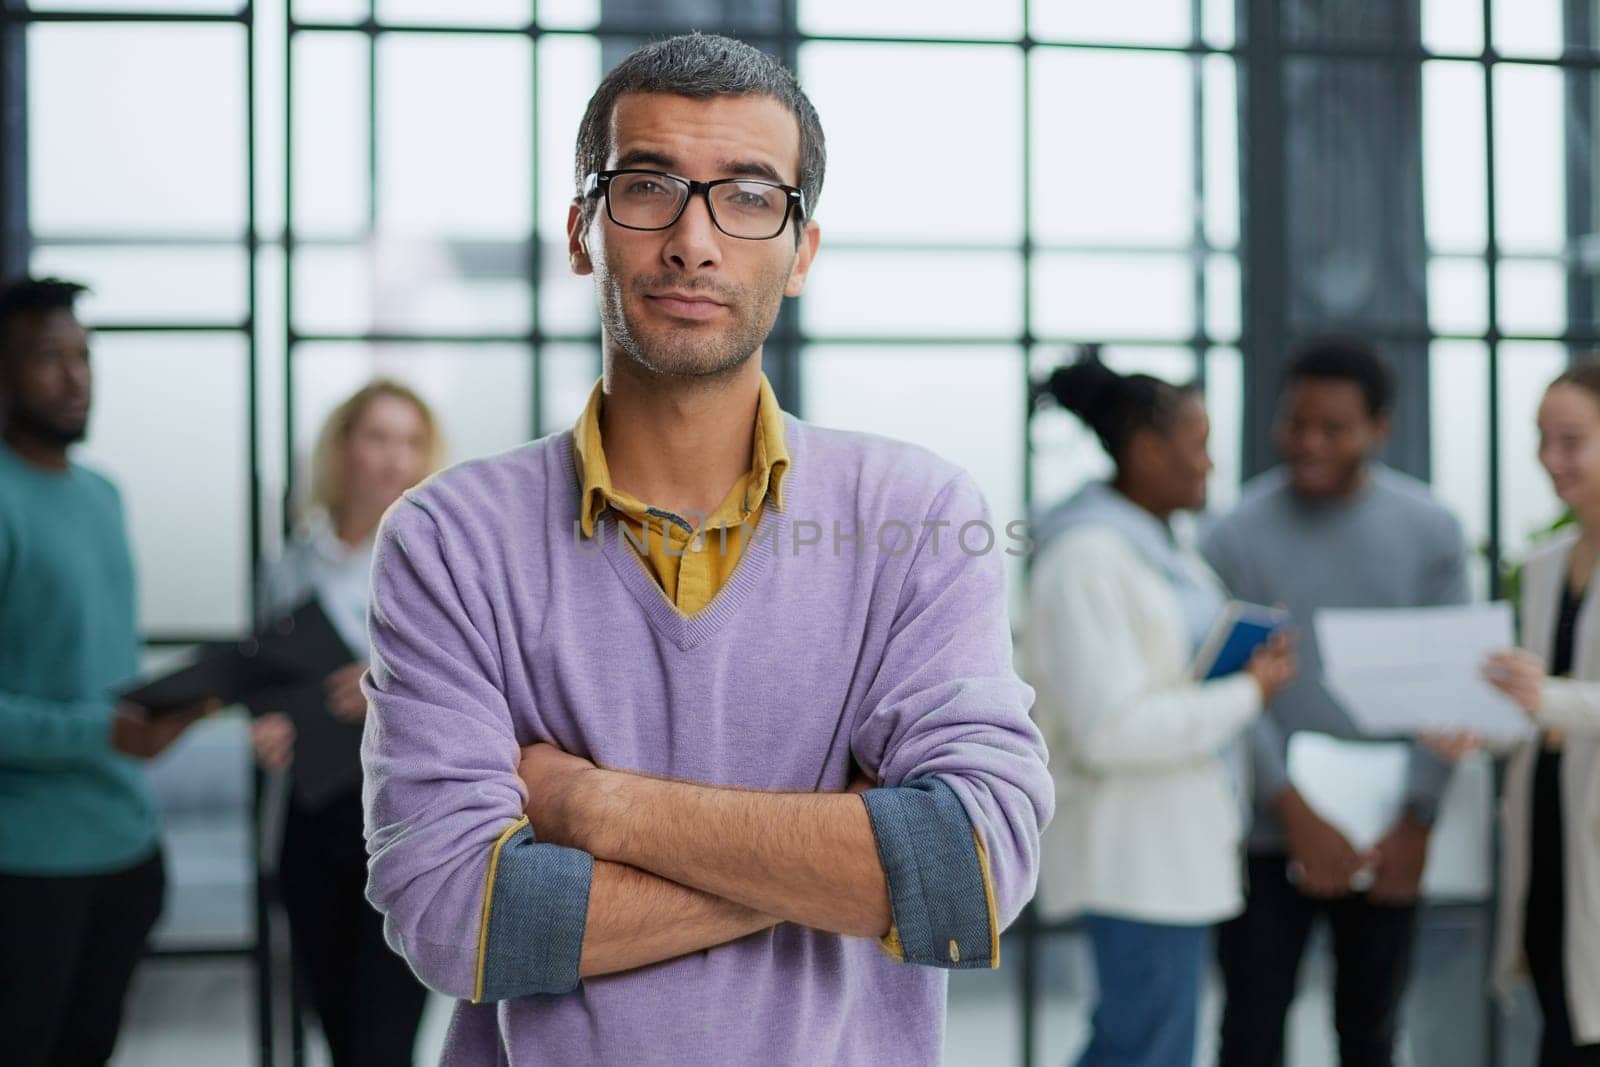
748, 208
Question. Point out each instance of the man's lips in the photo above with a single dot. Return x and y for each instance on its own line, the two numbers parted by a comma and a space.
686, 305
1314, 471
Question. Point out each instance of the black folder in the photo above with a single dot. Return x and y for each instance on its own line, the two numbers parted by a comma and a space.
327, 750
226, 670
282, 668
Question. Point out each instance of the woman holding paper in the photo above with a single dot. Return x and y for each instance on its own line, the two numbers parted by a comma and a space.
1549, 926
378, 443
1145, 844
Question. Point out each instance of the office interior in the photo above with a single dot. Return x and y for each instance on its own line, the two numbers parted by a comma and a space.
275, 202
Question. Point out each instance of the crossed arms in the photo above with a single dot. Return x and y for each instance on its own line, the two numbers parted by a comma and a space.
680, 867
505, 871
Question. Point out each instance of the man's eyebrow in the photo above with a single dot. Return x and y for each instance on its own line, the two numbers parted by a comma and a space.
731, 168
751, 168
638, 157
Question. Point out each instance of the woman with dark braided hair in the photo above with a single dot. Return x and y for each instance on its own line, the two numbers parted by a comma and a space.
1145, 846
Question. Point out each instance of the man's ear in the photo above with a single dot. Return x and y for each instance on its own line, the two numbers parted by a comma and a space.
810, 237
1381, 426
578, 240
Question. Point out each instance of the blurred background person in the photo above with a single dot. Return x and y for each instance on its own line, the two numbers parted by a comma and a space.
1549, 924
1330, 528
1146, 845
81, 870
374, 446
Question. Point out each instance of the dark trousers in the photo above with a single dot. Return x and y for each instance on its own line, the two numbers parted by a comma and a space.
1544, 936
366, 998
68, 947
1556, 1044
1260, 956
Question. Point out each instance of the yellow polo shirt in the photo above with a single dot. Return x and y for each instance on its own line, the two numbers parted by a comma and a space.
689, 564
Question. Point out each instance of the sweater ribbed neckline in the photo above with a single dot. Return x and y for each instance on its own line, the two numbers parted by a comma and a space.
753, 567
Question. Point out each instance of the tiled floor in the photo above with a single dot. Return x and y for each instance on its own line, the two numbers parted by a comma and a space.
200, 1015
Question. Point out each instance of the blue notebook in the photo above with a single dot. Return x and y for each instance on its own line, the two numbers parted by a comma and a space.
1239, 631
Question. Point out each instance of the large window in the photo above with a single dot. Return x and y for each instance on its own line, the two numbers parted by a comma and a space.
1061, 175
137, 180
276, 202
1073, 178
348, 188
1508, 119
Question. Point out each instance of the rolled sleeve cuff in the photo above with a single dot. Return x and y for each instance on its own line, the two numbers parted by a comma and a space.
535, 910
941, 891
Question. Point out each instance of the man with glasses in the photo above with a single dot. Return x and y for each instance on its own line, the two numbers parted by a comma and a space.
694, 735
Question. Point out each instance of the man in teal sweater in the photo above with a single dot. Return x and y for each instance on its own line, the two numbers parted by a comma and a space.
80, 864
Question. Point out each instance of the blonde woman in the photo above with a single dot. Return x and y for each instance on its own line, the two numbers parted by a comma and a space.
374, 446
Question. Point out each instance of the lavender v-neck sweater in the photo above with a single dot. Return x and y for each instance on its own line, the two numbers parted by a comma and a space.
496, 625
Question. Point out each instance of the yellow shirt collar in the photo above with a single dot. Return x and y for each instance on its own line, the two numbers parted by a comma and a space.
768, 465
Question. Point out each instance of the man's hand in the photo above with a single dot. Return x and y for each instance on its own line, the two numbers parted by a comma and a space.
860, 781
345, 699
273, 736
553, 779
1400, 858
135, 733
1326, 860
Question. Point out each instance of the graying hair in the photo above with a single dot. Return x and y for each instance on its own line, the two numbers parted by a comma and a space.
701, 66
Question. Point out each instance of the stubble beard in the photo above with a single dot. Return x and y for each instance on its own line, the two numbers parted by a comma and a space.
689, 351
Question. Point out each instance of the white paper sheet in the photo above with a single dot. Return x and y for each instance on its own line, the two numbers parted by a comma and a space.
1401, 671
1359, 787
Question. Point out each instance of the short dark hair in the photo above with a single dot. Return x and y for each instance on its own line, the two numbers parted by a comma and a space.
701, 66
1344, 359
31, 296
1115, 406
34, 296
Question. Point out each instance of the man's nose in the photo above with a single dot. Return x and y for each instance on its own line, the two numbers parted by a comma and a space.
693, 242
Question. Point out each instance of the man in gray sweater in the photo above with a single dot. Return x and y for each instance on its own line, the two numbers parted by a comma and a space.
1330, 528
